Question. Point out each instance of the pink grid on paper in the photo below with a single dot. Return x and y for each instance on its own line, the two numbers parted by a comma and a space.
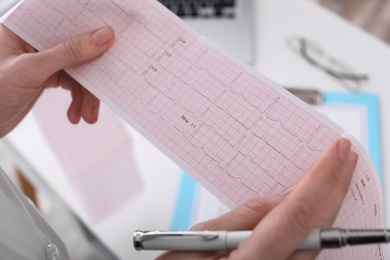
174, 64
204, 83
244, 137
238, 108
225, 125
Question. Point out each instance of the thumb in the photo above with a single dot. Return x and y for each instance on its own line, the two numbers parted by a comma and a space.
74, 51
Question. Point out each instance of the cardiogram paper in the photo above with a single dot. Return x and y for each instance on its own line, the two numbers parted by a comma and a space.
97, 159
235, 131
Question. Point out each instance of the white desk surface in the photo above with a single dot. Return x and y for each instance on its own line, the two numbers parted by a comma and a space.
276, 20
279, 19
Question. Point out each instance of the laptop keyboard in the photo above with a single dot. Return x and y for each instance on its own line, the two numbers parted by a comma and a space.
201, 8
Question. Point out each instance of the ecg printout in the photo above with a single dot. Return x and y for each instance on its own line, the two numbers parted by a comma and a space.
98, 160
236, 132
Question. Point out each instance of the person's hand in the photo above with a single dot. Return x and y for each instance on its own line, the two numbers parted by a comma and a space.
280, 224
25, 73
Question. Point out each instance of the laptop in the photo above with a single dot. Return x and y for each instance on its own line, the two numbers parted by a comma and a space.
229, 23
5, 5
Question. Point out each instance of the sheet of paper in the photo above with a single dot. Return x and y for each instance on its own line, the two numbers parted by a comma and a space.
97, 159
235, 131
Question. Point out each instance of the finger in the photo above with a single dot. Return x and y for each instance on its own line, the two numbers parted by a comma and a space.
329, 210
175, 255
332, 205
304, 255
244, 217
74, 110
74, 51
84, 103
328, 180
289, 223
90, 107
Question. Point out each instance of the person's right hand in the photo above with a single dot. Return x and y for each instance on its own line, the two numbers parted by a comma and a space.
280, 224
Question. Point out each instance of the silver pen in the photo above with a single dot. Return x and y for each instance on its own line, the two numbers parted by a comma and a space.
226, 240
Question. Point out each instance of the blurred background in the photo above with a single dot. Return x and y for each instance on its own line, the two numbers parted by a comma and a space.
373, 15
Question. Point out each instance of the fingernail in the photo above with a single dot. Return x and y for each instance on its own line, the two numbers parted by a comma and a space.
77, 116
344, 147
287, 191
352, 160
95, 112
102, 36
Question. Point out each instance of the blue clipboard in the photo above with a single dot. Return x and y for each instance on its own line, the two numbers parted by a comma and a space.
371, 103
184, 208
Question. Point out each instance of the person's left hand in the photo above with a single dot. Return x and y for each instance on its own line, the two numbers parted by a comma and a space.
280, 224
25, 73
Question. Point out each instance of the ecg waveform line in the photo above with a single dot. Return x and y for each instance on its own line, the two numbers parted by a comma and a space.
194, 85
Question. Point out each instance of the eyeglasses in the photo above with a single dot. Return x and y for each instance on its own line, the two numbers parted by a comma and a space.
338, 70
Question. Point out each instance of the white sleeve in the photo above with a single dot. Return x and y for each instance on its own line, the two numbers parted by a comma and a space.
24, 234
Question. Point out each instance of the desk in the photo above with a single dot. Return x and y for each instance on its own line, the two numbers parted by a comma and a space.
276, 20
279, 19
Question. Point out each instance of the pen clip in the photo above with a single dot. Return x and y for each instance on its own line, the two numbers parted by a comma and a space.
207, 235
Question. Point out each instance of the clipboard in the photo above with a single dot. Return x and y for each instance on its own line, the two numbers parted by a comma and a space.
357, 113
368, 104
